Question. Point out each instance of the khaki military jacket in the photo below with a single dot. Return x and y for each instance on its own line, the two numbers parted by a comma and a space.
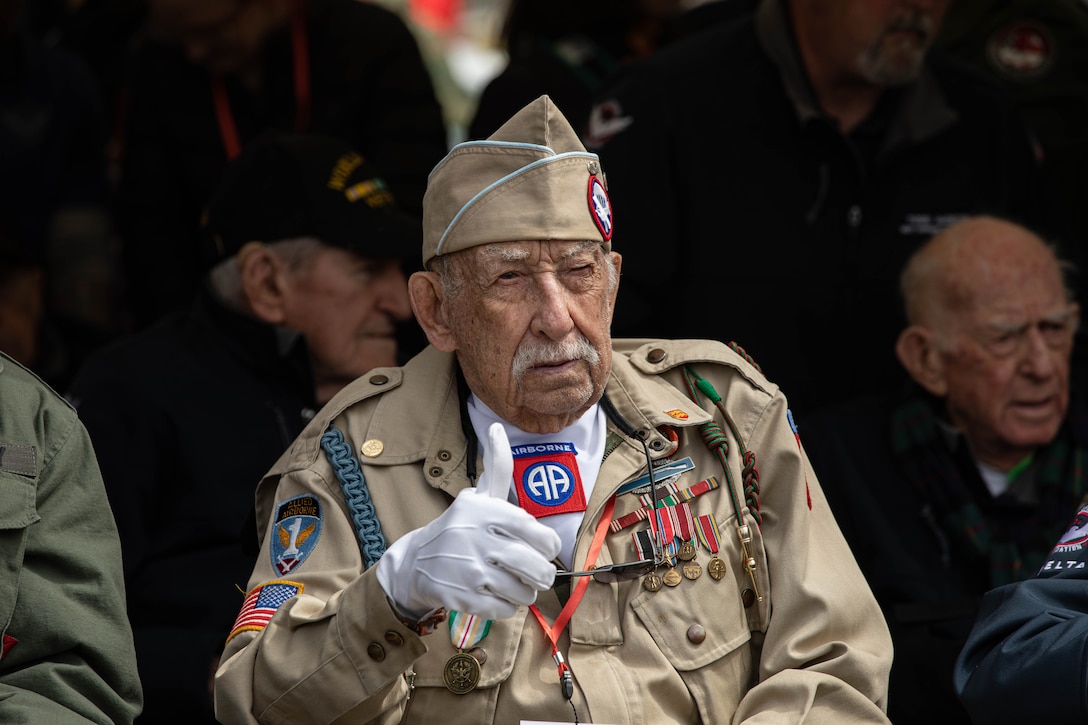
815, 648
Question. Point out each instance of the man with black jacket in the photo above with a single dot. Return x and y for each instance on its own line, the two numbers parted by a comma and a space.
774, 173
964, 482
206, 77
305, 293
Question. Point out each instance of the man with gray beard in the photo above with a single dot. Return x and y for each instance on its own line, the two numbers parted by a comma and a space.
531, 521
790, 158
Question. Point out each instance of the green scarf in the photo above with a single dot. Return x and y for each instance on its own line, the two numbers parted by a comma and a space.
1012, 551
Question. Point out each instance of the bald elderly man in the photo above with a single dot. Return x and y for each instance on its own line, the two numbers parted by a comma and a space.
965, 481
531, 521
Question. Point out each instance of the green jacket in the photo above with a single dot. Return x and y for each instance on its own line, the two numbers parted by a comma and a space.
67, 653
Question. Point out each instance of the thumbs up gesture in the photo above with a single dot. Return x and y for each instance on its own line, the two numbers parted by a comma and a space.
483, 555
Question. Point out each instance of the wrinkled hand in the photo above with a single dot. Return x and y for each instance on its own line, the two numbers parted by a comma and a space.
483, 555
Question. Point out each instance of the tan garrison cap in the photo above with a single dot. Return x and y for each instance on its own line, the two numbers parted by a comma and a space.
530, 180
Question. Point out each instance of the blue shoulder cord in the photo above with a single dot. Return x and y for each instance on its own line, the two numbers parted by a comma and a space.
356, 494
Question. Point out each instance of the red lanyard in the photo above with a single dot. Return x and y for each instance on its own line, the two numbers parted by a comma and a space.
228, 132
555, 630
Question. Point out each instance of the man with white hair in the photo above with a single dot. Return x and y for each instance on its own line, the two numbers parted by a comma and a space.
965, 480
303, 291
530, 520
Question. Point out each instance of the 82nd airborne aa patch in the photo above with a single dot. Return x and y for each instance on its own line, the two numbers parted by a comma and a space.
548, 480
295, 531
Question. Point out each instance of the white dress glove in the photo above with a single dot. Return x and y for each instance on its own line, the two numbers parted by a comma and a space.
482, 556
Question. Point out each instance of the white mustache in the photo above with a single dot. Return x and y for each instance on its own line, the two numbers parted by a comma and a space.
532, 354
916, 22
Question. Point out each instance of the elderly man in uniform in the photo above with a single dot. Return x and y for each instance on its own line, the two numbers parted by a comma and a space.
532, 522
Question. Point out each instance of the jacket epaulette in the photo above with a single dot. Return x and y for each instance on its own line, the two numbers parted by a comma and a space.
659, 356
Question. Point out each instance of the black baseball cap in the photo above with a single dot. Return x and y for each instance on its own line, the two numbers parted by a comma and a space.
285, 186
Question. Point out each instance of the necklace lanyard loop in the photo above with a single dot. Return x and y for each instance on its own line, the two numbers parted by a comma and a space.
555, 630
300, 53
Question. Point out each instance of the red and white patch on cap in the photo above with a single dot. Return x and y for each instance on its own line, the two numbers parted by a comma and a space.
600, 207
1021, 50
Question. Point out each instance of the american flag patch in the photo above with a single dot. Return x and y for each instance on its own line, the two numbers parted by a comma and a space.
261, 603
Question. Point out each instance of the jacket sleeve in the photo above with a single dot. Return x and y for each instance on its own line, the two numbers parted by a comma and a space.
826, 652
334, 647
69, 654
1026, 659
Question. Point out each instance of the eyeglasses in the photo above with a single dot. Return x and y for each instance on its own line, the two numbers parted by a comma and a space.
611, 573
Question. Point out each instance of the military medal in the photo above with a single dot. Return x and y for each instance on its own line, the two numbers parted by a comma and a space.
684, 525
717, 568
692, 570
461, 673
706, 529
652, 582
672, 577
644, 547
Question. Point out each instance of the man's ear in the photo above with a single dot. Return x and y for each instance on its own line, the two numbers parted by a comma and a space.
918, 353
431, 309
617, 261
262, 285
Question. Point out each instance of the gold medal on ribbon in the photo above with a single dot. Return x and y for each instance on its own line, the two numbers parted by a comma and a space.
706, 528
461, 673
716, 567
692, 570
652, 582
687, 551
672, 577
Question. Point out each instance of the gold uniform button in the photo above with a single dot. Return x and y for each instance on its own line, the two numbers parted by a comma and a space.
372, 448
379, 379
376, 651
444, 455
394, 638
656, 355
696, 634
